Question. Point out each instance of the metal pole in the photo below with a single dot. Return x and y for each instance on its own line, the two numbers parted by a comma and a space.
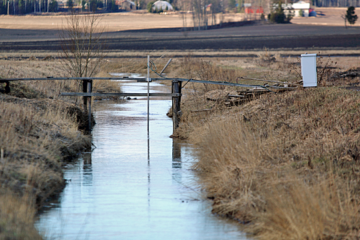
148, 92
148, 105
167, 64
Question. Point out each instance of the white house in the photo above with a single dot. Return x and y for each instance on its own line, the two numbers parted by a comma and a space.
158, 5
301, 5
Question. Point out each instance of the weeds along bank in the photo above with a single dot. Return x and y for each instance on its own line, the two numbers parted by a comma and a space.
40, 132
286, 165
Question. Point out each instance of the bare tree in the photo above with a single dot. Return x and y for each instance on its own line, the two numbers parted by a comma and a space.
82, 45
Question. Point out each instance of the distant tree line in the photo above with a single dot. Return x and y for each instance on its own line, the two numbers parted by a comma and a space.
27, 6
19, 7
336, 3
204, 10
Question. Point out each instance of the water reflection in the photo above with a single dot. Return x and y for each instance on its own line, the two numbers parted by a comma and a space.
87, 169
176, 154
132, 186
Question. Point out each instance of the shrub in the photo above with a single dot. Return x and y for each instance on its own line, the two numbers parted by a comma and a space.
70, 4
53, 6
100, 4
232, 4
350, 15
262, 17
149, 6
114, 7
3, 9
279, 16
83, 2
301, 13
93, 5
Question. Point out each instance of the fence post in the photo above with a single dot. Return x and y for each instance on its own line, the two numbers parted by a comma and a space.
176, 88
84, 88
7, 86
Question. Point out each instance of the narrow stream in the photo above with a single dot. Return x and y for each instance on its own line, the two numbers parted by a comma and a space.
116, 192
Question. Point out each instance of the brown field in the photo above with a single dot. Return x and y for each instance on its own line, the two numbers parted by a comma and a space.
128, 32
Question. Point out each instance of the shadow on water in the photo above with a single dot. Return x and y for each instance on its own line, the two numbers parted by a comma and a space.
132, 188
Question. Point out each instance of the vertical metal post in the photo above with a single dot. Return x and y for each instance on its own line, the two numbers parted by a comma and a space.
148, 92
148, 106
89, 90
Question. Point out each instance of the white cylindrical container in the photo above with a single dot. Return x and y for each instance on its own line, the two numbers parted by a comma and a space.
308, 70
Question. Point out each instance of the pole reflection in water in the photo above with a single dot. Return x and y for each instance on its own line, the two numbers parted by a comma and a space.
87, 169
125, 191
176, 161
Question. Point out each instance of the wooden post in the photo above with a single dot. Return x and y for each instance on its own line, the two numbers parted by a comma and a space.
7, 87
89, 90
176, 88
84, 88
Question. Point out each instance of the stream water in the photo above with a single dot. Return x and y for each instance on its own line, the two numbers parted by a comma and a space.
118, 191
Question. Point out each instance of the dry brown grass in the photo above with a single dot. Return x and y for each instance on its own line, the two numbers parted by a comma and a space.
37, 137
291, 167
288, 163
40, 131
17, 217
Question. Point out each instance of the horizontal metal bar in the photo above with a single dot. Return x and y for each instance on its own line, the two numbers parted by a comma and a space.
73, 78
144, 80
236, 96
121, 94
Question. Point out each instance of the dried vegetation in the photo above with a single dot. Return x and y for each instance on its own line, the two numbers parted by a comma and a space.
40, 132
286, 163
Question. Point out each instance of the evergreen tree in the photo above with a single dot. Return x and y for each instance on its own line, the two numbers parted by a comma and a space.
350, 15
232, 4
70, 4
53, 6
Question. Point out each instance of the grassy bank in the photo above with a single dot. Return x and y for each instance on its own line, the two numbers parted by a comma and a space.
40, 132
284, 164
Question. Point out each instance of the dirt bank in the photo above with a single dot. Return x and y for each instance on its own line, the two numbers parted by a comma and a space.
40, 132
287, 163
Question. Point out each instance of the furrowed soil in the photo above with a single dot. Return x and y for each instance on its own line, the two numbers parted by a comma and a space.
40, 133
149, 32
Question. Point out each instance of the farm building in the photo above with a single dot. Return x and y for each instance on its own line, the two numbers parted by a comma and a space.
162, 5
126, 5
299, 7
